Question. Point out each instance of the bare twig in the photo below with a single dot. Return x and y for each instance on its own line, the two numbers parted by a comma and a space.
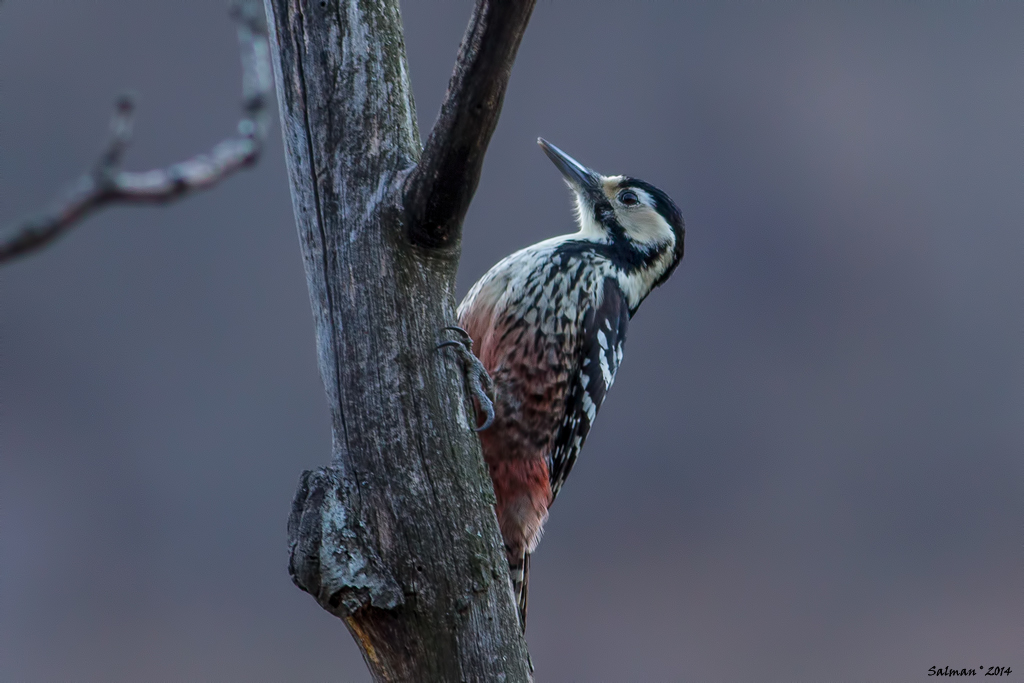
107, 184
438, 191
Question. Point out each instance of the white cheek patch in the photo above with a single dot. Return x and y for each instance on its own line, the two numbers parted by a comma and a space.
646, 226
642, 223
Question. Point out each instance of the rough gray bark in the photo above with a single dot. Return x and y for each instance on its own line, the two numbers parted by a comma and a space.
398, 535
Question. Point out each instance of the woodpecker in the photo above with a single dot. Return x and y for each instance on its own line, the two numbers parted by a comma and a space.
549, 323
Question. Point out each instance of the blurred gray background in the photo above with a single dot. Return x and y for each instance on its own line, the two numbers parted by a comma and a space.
810, 467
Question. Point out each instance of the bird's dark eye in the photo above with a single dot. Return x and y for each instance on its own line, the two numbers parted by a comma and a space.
629, 198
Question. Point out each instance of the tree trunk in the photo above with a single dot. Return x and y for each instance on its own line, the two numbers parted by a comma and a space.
398, 535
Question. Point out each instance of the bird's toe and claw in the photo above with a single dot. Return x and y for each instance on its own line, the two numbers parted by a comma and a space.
480, 384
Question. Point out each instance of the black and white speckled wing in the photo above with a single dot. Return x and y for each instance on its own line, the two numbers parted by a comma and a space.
604, 333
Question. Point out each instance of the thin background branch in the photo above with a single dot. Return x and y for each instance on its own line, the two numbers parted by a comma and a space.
107, 184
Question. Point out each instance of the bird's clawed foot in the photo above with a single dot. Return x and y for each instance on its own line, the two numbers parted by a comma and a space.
480, 384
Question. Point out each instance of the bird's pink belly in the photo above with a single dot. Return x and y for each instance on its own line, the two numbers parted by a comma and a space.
523, 492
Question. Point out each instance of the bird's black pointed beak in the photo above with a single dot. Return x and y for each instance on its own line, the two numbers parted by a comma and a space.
579, 176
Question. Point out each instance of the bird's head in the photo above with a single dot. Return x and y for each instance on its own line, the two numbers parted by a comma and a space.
636, 218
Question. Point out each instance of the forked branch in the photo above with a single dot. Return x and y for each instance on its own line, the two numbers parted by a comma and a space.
397, 536
107, 184
439, 190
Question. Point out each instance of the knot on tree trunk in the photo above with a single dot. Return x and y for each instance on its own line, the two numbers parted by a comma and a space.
330, 556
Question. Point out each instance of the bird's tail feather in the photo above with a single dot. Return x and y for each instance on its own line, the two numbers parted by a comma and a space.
519, 570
